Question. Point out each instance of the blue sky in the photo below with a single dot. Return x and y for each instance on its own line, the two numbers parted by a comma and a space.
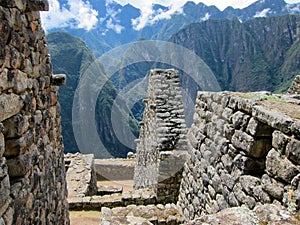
80, 13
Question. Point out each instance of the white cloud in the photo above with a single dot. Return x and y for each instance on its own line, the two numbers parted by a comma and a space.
79, 15
115, 27
150, 16
111, 19
263, 13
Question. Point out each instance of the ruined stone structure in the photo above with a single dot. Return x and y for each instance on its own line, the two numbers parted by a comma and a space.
295, 87
32, 174
162, 142
243, 165
81, 175
245, 151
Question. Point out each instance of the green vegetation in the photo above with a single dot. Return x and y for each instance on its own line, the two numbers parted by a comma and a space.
71, 56
261, 54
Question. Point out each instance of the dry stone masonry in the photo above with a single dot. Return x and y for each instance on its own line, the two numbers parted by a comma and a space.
295, 87
32, 174
245, 151
161, 145
80, 174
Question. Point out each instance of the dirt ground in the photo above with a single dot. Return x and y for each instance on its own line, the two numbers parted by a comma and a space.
94, 217
85, 217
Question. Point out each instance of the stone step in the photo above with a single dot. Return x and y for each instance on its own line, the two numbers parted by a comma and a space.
96, 202
149, 214
109, 190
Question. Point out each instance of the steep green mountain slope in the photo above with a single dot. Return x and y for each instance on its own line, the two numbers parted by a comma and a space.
71, 56
260, 54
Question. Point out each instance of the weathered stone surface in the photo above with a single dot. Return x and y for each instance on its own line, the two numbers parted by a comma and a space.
280, 167
19, 166
262, 214
114, 169
247, 155
279, 141
10, 104
81, 176
249, 165
38, 5
58, 79
273, 118
252, 147
258, 129
16, 126
150, 214
4, 186
2, 144
239, 120
18, 146
274, 214
238, 216
108, 190
295, 86
273, 187
32, 173
248, 183
293, 151
163, 129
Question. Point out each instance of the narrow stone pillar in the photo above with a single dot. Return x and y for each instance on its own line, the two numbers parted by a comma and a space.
162, 143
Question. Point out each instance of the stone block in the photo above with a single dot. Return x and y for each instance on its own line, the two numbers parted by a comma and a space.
249, 165
274, 119
10, 104
252, 147
8, 216
258, 129
293, 151
239, 120
296, 128
19, 166
20, 81
6, 80
279, 141
58, 79
248, 183
227, 113
273, 187
278, 166
38, 5
2, 144
14, 147
16, 126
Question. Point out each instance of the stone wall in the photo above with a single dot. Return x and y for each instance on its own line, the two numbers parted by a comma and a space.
162, 142
32, 175
114, 169
295, 86
244, 151
80, 175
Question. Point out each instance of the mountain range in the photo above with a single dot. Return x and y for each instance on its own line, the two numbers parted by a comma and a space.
245, 52
115, 22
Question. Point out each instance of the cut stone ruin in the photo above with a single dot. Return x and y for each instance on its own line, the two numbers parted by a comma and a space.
161, 147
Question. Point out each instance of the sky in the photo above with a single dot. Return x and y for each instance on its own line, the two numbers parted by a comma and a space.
80, 13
